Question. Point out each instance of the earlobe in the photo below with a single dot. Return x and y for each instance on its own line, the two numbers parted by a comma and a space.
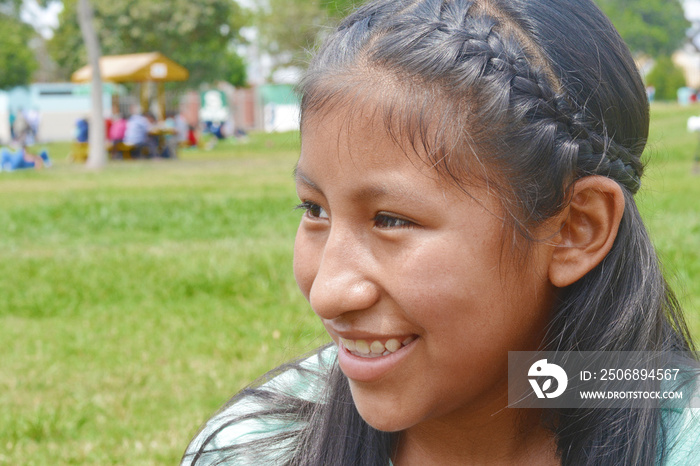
588, 229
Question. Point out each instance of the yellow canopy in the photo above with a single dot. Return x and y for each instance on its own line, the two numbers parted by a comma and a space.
135, 67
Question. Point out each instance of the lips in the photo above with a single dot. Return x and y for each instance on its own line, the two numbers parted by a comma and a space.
370, 360
375, 348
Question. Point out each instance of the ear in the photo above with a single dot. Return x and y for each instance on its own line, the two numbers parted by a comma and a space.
588, 229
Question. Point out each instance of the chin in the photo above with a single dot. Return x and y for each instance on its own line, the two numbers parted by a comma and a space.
380, 421
381, 414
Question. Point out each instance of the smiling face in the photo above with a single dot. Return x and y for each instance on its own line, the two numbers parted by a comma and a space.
408, 274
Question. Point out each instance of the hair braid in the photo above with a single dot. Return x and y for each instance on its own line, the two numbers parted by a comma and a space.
483, 56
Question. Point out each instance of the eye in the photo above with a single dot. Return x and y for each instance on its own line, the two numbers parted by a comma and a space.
382, 220
314, 211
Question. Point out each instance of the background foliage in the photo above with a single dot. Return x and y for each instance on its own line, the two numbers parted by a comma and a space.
653, 27
290, 28
17, 60
198, 35
666, 78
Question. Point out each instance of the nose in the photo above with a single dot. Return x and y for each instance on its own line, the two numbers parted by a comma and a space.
343, 280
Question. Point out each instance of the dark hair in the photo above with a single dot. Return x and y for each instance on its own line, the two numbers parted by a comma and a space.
532, 96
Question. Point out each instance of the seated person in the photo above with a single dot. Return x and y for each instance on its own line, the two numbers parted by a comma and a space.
137, 134
170, 136
118, 129
116, 133
81, 130
191, 136
182, 129
218, 131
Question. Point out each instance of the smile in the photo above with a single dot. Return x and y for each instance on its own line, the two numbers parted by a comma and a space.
375, 348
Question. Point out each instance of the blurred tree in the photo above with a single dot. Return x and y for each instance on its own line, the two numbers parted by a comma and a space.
17, 60
97, 155
11, 7
198, 35
236, 69
290, 28
666, 78
654, 27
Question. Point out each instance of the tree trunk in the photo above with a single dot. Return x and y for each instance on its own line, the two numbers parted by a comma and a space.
97, 156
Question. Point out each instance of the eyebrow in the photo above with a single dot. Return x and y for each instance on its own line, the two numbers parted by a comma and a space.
300, 176
363, 193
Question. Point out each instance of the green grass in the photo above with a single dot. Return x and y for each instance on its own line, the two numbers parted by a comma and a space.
136, 300
670, 202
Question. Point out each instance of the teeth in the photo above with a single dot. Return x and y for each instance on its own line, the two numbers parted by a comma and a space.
393, 345
362, 347
376, 348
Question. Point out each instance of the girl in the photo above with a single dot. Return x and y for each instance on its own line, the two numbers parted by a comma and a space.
467, 172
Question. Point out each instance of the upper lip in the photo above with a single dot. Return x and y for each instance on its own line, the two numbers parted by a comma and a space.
357, 334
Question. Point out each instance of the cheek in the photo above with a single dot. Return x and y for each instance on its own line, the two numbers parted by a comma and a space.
306, 257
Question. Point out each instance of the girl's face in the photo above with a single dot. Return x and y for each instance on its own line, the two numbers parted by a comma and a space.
411, 277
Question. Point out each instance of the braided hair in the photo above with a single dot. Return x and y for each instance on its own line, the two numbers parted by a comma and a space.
527, 96
545, 92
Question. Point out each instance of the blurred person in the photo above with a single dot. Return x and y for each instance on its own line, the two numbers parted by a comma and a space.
22, 159
116, 133
138, 134
33, 118
192, 136
182, 128
170, 136
20, 128
12, 123
118, 129
82, 127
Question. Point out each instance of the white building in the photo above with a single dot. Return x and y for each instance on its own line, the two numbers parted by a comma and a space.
59, 106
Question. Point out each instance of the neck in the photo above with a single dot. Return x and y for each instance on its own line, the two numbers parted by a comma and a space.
491, 435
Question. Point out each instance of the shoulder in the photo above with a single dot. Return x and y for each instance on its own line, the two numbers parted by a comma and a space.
683, 432
684, 447
246, 419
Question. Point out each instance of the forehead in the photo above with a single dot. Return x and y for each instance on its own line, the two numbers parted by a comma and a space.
409, 112
357, 138
429, 126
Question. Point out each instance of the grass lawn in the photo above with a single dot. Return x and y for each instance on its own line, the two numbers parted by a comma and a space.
670, 202
135, 301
